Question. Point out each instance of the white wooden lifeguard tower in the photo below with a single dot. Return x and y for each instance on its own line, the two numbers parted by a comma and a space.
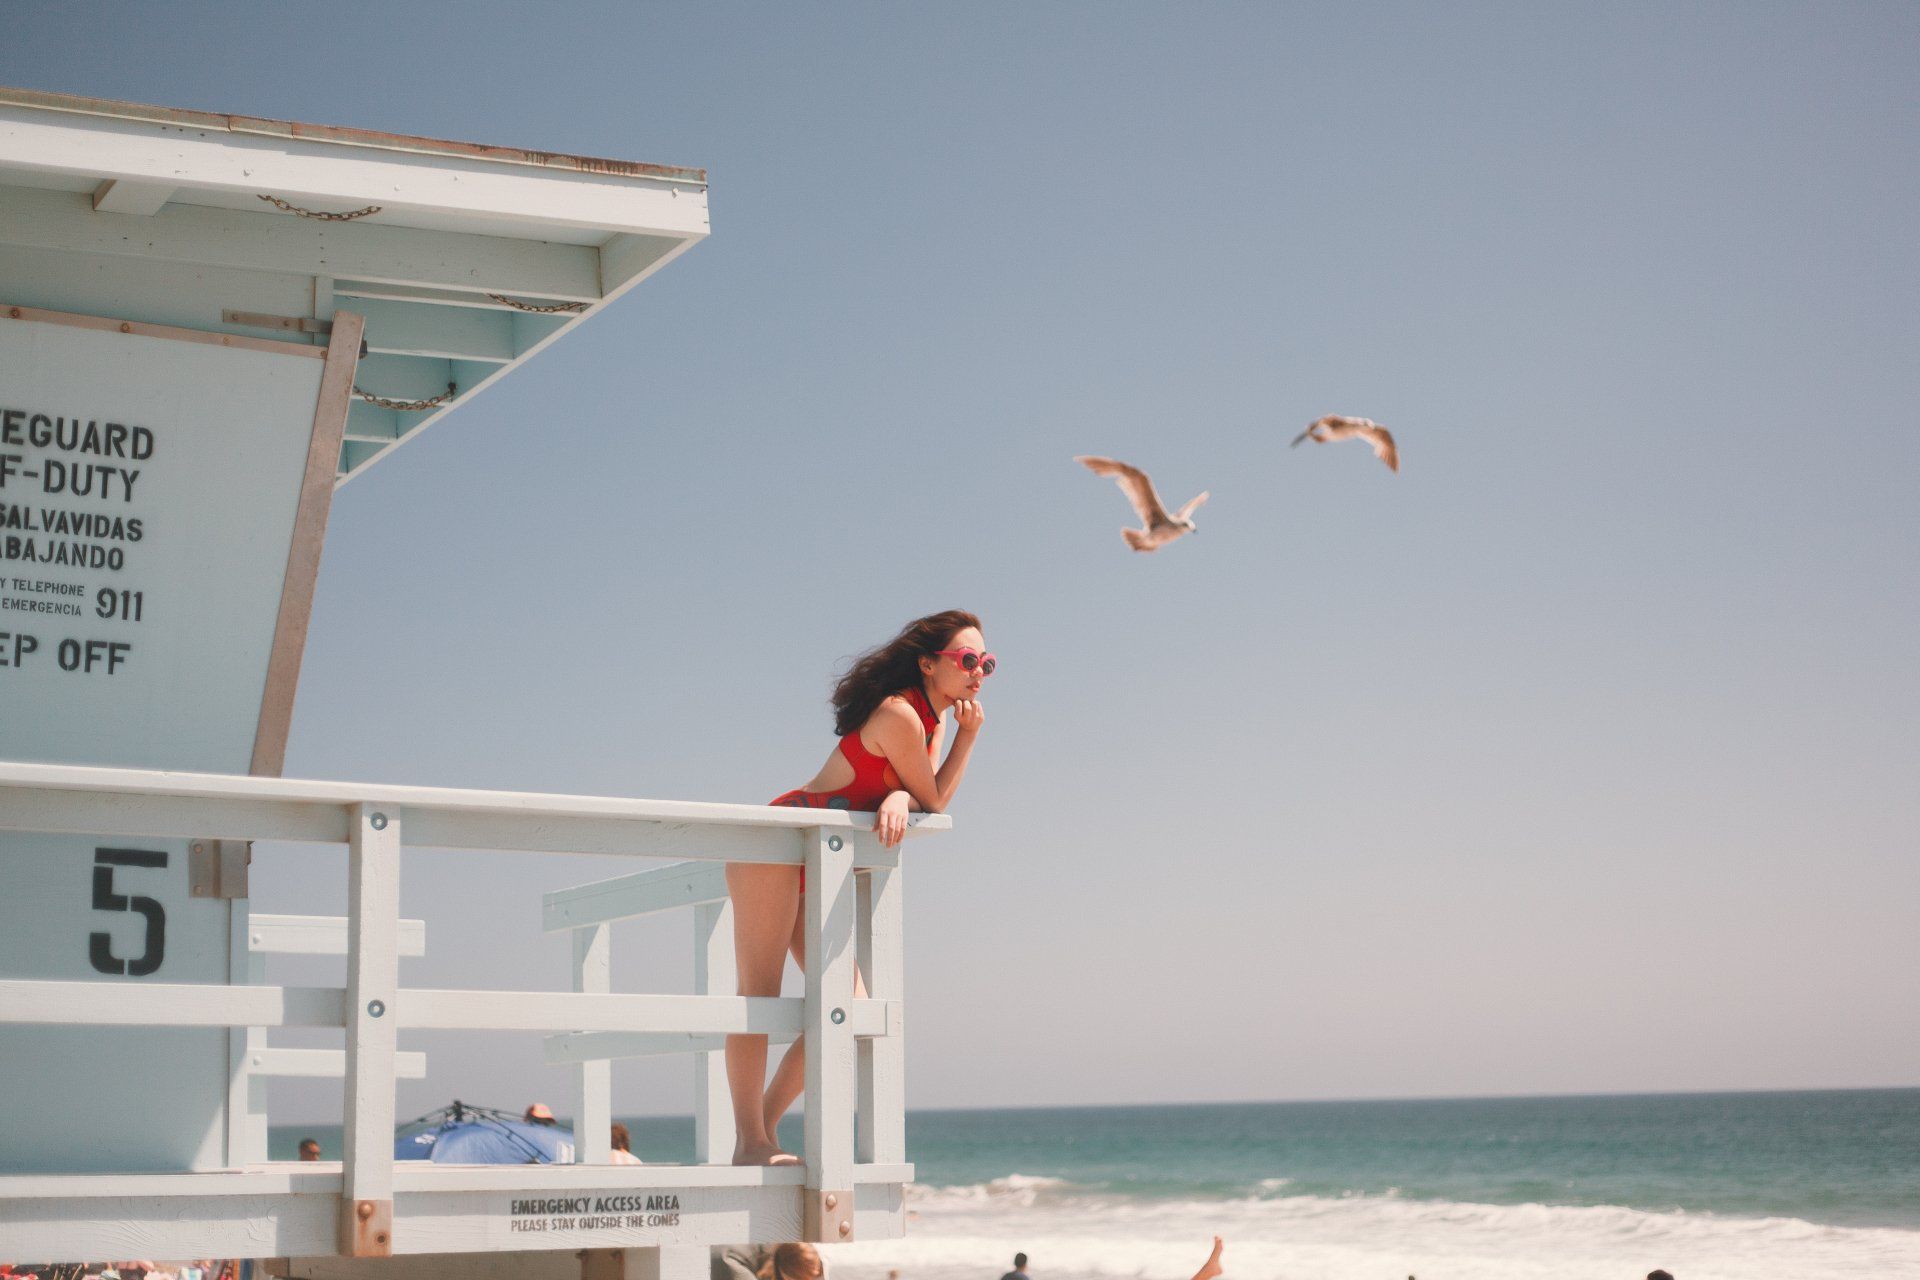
207, 324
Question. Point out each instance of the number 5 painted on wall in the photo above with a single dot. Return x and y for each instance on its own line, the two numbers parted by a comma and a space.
100, 945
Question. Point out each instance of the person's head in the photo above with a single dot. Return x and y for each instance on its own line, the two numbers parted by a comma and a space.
539, 1113
1019, 1262
943, 652
793, 1262
622, 1140
1659, 1275
309, 1149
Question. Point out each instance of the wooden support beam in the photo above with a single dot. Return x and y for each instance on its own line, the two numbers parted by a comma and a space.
882, 1126
449, 333
322, 173
593, 1078
828, 1206
66, 221
324, 1064
713, 974
373, 981
641, 893
869, 1019
283, 935
140, 199
168, 1004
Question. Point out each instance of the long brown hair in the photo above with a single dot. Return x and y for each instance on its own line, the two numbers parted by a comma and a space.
879, 673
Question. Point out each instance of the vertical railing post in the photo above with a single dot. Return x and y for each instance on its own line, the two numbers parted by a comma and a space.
883, 1090
373, 980
593, 1080
713, 975
828, 1213
246, 1092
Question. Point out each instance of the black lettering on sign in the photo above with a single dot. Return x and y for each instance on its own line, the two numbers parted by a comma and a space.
100, 945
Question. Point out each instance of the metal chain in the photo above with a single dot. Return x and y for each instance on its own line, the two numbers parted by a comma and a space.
284, 207
409, 406
555, 309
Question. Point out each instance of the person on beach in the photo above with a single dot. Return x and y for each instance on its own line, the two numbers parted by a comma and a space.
309, 1149
887, 711
622, 1144
1211, 1268
1019, 1271
793, 1262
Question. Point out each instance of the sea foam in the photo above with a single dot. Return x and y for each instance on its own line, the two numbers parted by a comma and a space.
1072, 1233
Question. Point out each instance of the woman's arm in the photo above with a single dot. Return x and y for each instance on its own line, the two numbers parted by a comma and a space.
898, 735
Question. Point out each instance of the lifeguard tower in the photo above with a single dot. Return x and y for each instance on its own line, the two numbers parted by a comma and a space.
208, 324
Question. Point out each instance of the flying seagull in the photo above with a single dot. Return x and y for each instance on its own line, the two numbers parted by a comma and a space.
1334, 427
1161, 528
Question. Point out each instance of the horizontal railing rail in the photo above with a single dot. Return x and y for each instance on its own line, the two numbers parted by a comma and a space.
852, 920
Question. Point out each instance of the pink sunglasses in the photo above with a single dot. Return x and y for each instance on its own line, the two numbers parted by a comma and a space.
968, 659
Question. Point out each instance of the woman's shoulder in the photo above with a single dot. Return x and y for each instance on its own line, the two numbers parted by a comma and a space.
895, 710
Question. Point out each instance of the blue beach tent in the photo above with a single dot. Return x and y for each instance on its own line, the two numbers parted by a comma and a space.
463, 1134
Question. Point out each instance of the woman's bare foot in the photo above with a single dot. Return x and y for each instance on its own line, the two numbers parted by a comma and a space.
1213, 1267
763, 1153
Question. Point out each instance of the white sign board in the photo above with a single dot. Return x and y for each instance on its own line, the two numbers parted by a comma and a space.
150, 488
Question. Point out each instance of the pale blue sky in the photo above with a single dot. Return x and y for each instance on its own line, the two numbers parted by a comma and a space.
1578, 756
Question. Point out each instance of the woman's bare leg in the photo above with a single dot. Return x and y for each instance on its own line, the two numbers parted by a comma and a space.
766, 910
790, 1078
1212, 1267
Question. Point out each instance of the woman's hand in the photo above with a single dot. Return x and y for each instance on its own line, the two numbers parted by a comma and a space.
969, 715
890, 823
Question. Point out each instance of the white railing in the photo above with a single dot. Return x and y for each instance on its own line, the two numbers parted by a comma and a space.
853, 1047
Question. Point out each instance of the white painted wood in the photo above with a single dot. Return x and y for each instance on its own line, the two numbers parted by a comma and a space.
287, 935
165, 1004
183, 295
373, 1002
302, 1226
638, 894
422, 295
66, 222
412, 329
593, 1078
371, 424
868, 1018
829, 1044
326, 173
554, 1264
324, 1178
124, 195
321, 1064
320, 1178
448, 803
88, 800
590, 1046
881, 1132
668, 1262
848, 925
713, 974
627, 258
558, 1011
246, 1092
222, 1226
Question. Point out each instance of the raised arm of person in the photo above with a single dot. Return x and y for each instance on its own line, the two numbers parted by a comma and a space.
1212, 1267
900, 739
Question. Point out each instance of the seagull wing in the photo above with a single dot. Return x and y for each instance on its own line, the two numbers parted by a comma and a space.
1134, 483
1191, 507
1382, 441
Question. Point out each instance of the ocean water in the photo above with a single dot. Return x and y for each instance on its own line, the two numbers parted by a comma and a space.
1801, 1186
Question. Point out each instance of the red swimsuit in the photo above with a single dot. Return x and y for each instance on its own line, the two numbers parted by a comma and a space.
873, 777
